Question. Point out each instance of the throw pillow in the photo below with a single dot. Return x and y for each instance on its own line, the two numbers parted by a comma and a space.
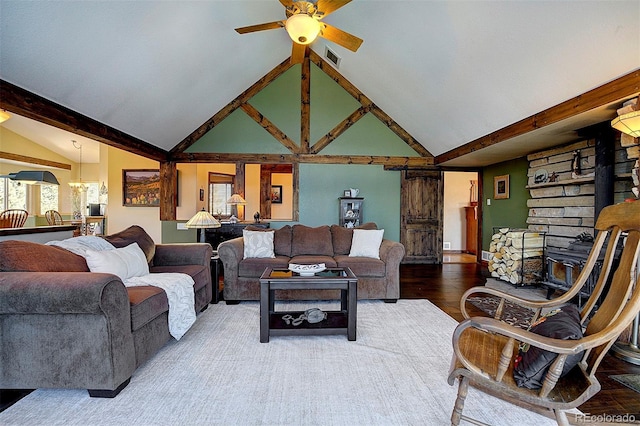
126, 262
258, 244
281, 238
134, 234
342, 237
532, 363
366, 243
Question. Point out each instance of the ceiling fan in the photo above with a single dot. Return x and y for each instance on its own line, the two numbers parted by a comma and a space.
303, 24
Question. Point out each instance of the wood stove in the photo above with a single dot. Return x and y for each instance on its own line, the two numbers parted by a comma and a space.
563, 266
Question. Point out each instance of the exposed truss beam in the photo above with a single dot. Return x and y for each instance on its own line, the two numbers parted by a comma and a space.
30, 105
620, 88
396, 162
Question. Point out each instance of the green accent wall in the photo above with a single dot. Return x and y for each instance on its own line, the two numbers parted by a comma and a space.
512, 212
171, 233
320, 185
280, 103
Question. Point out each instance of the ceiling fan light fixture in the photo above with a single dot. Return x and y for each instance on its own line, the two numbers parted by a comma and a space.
302, 28
628, 123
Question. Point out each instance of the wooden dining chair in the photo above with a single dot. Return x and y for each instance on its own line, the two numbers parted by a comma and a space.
13, 218
53, 217
485, 348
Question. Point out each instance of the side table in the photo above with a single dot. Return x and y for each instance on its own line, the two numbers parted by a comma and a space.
215, 278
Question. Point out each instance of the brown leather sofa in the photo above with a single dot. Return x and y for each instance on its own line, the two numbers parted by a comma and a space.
377, 278
65, 327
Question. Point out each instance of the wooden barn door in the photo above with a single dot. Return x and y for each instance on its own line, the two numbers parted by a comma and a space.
421, 202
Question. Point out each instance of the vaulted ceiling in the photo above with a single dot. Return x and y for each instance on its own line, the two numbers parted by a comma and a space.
450, 73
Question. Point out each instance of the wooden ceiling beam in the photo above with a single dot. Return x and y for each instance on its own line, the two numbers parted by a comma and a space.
398, 162
400, 132
232, 106
33, 160
271, 128
367, 103
625, 86
305, 104
342, 127
30, 105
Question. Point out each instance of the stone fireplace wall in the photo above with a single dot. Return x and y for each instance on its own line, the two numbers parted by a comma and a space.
562, 187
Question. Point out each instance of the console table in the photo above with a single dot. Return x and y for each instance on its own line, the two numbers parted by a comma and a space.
229, 231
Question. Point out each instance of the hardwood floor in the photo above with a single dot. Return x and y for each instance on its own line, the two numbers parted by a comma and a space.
444, 284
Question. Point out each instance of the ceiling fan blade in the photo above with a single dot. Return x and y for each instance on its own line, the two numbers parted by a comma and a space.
286, 3
340, 37
325, 7
261, 27
297, 53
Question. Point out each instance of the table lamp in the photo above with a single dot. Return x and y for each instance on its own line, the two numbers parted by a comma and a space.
202, 220
234, 200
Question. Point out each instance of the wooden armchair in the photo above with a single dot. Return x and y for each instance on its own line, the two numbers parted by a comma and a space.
13, 218
485, 348
53, 217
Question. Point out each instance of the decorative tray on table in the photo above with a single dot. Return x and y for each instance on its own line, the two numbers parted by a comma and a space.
307, 270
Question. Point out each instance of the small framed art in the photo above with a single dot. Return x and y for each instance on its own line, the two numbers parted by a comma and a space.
141, 188
276, 194
501, 187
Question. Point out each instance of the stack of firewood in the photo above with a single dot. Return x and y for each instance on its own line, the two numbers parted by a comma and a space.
516, 256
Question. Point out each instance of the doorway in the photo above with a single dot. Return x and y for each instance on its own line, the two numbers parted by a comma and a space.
461, 218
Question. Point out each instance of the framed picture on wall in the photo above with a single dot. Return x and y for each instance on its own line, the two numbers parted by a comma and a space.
276, 194
141, 188
501, 187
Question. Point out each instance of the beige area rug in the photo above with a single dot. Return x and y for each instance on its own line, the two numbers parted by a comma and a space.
219, 373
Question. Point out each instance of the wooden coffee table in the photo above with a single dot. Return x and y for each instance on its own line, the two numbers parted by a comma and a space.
337, 322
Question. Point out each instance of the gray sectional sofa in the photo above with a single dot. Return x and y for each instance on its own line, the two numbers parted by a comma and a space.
331, 245
65, 327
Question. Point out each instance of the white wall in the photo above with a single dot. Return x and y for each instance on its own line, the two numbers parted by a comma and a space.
456, 196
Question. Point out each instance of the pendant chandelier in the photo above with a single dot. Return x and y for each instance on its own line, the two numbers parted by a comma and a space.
79, 186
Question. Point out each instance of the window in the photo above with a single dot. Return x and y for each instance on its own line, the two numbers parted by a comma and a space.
220, 189
13, 195
48, 198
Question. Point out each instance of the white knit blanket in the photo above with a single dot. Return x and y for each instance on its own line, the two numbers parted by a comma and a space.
179, 287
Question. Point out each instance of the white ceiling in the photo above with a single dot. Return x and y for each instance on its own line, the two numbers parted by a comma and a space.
448, 72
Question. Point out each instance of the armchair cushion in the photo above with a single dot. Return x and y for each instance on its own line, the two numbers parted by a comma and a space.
532, 363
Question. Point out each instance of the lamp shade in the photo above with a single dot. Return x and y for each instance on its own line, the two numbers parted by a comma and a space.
35, 177
302, 28
236, 199
628, 123
203, 219
4, 116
